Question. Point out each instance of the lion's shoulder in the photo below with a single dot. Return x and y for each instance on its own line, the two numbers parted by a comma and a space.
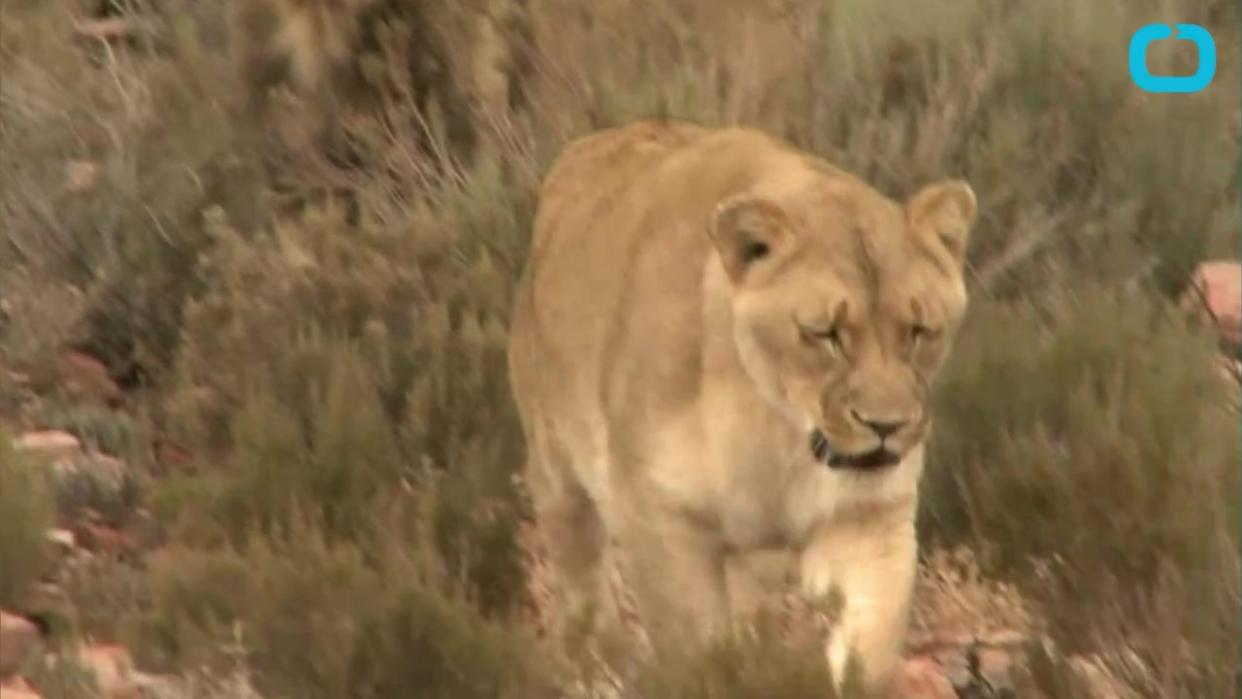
615, 151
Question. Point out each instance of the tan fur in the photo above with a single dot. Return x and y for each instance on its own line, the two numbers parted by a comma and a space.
668, 388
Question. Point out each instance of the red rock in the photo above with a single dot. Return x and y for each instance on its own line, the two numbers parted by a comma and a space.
113, 668
110, 468
19, 640
1216, 295
103, 539
62, 541
111, 29
17, 690
995, 664
84, 374
17, 687
60, 537
169, 454
80, 176
923, 678
54, 445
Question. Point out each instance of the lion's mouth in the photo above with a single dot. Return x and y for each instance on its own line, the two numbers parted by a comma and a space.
877, 458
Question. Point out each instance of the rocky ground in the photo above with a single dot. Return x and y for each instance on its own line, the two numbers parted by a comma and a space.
967, 641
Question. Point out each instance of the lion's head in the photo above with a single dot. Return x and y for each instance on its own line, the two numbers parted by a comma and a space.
845, 304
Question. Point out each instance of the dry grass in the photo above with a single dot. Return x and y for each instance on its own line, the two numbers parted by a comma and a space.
26, 511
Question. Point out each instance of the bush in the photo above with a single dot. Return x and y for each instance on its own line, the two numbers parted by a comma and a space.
336, 457
757, 664
460, 64
1096, 463
95, 485
102, 593
64, 678
336, 463
26, 513
318, 619
362, 358
99, 429
208, 685
163, 135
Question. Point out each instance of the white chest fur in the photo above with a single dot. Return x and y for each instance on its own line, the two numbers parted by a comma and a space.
759, 482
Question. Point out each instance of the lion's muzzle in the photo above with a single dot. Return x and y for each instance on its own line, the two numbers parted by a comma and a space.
878, 458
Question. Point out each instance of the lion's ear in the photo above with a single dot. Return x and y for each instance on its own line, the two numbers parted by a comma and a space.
945, 210
746, 231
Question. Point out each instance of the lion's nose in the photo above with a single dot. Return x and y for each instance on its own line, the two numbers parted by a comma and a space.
883, 427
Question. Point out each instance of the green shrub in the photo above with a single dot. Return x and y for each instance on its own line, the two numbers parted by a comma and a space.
989, 90
26, 513
318, 619
179, 501
335, 464
758, 663
95, 485
60, 677
335, 457
162, 132
461, 65
364, 356
204, 684
99, 429
1091, 457
103, 593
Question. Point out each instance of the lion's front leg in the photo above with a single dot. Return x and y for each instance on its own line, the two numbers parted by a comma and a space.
873, 565
675, 568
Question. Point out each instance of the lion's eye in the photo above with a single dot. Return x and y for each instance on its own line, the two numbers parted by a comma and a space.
830, 335
920, 332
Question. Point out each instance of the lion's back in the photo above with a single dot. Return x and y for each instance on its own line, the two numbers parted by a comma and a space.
578, 278
595, 166
580, 239
608, 315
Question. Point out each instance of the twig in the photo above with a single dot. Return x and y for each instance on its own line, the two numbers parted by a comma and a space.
1017, 252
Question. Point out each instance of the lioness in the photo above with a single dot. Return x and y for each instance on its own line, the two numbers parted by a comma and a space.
721, 344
